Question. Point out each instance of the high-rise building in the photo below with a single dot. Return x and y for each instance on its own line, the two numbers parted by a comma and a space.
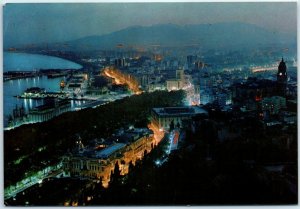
191, 60
120, 62
282, 78
199, 65
180, 74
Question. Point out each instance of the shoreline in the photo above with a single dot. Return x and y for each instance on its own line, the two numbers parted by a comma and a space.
46, 54
71, 56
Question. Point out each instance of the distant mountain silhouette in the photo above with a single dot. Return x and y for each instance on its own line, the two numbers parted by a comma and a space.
219, 35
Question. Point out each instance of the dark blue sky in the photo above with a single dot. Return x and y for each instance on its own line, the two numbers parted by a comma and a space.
34, 23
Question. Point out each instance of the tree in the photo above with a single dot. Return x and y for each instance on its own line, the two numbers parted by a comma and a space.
130, 167
172, 126
115, 175
145, 152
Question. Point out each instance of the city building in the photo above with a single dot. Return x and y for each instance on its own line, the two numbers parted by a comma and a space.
191, 60
78, 84
253, 91
51, 109
178, 82
98, 161
289, 117
18, 117
174, 84
199, 65
91, 163
120, 62
180, 74
163, 117
272, 105
282, 78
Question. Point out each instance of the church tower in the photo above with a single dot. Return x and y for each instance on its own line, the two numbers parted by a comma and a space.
282, 78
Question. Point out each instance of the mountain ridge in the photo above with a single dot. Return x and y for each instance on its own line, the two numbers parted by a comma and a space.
206, 35
217, 35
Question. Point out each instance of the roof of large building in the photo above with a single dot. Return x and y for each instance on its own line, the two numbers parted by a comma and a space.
254, 83
133, 135
105, 153
179, 111
50, 104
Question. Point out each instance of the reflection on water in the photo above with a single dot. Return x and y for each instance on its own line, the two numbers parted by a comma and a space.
13, 88
77, 103
22, 61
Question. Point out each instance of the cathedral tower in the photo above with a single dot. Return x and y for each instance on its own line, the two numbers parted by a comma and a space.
282, 78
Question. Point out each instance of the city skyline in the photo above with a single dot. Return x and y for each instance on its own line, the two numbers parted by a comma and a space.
171, 104
105, 18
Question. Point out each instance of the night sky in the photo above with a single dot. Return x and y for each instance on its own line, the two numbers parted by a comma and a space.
34, 23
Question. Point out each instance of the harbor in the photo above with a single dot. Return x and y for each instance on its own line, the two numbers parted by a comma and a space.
39, 93
71, 95
50, 73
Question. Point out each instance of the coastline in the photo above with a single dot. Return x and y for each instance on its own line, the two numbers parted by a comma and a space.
65, 55
77, 66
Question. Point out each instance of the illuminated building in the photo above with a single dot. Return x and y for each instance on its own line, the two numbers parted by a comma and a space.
178, 82
77, 83
51, 109
163, 117
156, 86
90, 162
174, 84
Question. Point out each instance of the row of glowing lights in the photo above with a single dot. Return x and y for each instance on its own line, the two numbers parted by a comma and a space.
169, 148
120, 80
264, 68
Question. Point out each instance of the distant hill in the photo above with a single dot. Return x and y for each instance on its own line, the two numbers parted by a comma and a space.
219, 35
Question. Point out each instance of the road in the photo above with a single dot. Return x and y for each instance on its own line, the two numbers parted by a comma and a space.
32, 180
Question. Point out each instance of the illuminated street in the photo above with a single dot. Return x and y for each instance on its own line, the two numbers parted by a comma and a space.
158, 133
120, 78
150, 104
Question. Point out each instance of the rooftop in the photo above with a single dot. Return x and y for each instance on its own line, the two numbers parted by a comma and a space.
50, 104
105, 153
254, 83
132, 135
171, 111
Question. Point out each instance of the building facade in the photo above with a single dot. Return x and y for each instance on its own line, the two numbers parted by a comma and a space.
272, 105
51, 109
282, 78
162, 118
91, 163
